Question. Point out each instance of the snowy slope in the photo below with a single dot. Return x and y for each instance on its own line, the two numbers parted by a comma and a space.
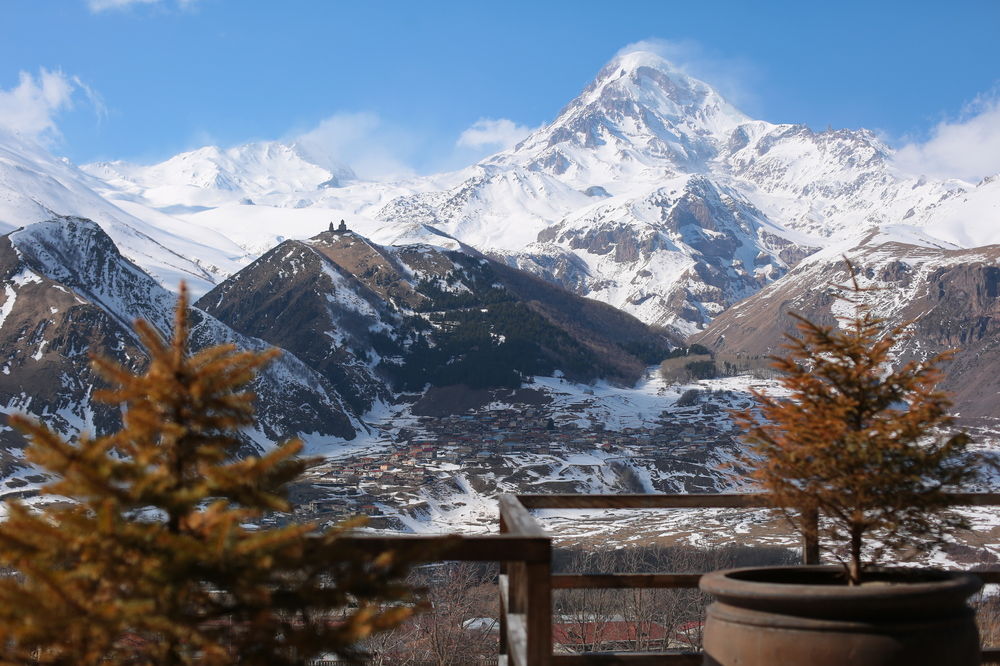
830, 184
211, 176
258, 194
36, 186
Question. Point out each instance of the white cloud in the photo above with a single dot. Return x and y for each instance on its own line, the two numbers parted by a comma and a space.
493, 133
370, 147
30, 108
97, 6
379, 150
105, 5
734, 78
967, 147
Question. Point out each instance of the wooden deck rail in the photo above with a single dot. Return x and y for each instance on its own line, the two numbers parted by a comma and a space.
526, 588
461, 548
524, 551
525, 592
525, 557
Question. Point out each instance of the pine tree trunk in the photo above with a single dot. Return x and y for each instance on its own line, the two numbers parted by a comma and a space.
854, 566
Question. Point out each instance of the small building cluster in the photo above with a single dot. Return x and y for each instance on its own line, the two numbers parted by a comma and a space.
498, 450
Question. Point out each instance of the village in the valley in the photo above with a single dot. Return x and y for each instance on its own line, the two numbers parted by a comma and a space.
520, 448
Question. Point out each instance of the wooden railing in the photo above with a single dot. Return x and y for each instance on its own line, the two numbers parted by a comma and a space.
524, 551
524, 554
526, 584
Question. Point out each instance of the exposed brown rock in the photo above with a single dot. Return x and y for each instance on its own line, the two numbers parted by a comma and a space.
952, 298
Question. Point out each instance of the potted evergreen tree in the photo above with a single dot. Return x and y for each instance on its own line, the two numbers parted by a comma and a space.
861, 442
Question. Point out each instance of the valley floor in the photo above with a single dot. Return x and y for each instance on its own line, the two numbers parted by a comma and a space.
424, 470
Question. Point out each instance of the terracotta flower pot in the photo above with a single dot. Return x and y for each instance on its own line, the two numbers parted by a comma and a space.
809, 616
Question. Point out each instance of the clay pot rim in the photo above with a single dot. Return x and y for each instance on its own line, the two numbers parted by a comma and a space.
738, 587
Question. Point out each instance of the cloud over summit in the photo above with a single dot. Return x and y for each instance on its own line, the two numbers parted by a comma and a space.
371, 148
493, 133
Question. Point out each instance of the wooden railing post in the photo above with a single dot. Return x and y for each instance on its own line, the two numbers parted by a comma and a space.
526, 587
500, 590
538, 581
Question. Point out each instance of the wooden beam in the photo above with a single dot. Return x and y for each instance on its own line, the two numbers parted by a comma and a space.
502, 583
608, 581
538, 581
516, 601
991, 655
810, 536
668, 658
693, 501
975, 499
477, 548
517, 520
991, 577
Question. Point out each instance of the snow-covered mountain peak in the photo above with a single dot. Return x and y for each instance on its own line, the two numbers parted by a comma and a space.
212, 175
666, 89
640, 116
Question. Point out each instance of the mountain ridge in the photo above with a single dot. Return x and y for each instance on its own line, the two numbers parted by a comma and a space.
649, 191
417, 314
604, 162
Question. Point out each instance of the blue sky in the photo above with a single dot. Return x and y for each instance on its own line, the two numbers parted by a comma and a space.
397, 83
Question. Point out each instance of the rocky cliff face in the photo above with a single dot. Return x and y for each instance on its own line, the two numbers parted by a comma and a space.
676, 258
950, 297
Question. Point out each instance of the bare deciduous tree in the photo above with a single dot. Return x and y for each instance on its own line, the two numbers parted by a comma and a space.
459, 625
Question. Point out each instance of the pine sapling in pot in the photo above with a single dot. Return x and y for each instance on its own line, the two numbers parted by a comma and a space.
860, 439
